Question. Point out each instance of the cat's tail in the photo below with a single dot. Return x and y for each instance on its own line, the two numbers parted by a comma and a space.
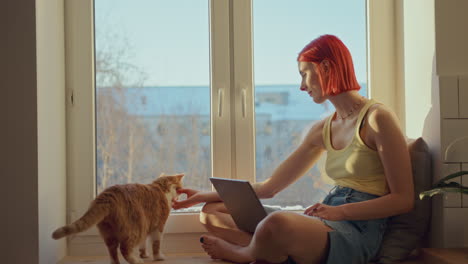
96, 212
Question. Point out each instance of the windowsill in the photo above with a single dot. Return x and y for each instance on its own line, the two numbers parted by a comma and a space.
172, 243
173, 258
181, 234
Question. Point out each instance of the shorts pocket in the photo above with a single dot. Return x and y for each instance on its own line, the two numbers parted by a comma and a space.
360, 225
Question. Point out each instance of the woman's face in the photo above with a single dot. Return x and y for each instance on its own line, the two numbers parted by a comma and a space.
310, 81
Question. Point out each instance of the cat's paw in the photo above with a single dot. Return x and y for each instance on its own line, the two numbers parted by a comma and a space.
139, 261
143, 254
159, 256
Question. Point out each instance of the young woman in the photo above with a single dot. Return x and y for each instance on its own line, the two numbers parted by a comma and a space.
367, 157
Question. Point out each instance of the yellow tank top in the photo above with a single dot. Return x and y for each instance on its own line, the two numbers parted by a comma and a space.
356, 166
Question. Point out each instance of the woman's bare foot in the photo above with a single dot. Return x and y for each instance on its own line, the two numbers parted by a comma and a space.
220, 249
266, 262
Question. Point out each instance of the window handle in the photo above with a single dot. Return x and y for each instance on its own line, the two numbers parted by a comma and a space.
244, 102
220, 101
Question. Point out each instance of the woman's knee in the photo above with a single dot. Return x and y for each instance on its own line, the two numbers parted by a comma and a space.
276, 223
279, 219
215, 207
208, 212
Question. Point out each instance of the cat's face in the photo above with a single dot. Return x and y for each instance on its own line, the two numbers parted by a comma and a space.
170, 183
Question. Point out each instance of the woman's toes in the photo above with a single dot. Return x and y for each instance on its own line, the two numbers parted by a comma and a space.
220, 249
208, 240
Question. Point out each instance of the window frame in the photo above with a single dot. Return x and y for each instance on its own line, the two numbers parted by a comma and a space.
231, 53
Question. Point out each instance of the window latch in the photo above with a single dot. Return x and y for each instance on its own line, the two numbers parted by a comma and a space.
72, 98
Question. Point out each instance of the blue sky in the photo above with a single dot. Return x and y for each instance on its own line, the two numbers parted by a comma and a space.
169, 40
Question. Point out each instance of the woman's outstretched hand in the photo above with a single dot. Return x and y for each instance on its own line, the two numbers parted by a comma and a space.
193, 197
333, 213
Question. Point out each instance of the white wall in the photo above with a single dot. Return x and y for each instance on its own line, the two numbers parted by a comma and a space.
419, 55
434, 74
18, 133
32, 130
51, 127
419, 88
452, 37
433, 67
452, 68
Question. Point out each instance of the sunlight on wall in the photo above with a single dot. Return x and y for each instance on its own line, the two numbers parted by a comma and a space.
419, 52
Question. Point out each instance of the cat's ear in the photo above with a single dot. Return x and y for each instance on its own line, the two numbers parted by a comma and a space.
180, 176
162, 174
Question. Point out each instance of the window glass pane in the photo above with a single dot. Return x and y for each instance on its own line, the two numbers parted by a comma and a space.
283, 113
152, 91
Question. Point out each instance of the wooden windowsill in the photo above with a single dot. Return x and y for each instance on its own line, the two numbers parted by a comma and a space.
192, 258
445, 255
428, 256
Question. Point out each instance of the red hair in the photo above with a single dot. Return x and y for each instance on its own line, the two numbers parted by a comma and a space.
341, 76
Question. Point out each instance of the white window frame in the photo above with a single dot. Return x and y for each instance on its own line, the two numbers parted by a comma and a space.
232, 95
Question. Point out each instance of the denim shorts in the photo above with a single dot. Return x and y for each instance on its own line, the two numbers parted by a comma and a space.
351, 241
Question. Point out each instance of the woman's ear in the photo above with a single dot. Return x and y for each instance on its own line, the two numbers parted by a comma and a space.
325, 64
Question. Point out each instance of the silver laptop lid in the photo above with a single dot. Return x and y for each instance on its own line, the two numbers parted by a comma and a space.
241, 201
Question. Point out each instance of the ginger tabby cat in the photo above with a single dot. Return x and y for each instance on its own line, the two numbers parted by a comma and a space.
127, 214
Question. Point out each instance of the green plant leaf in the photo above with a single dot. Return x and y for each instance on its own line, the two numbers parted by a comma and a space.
442, 186
451, 176
441, 190
449, 185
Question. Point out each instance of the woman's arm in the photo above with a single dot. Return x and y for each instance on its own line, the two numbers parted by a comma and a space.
394, 155
296, 165
194, 197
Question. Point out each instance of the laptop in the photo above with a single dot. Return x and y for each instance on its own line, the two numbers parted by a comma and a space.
241, 201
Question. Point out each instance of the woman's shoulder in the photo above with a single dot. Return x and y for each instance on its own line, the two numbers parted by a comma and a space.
381, 117
314, 134
379, 113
